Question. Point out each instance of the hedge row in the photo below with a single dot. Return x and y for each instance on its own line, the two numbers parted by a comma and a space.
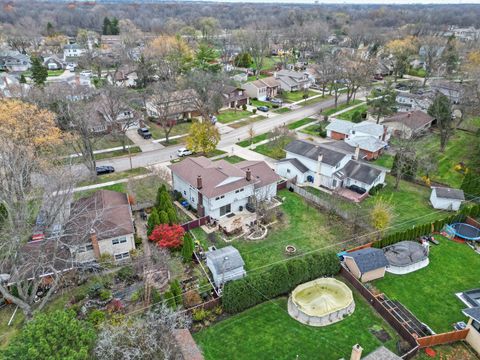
425, 229
278, 280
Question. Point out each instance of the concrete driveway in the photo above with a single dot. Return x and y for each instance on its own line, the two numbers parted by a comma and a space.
144, 144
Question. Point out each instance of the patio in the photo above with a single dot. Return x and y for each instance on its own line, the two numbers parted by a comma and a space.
351, 195
237, 222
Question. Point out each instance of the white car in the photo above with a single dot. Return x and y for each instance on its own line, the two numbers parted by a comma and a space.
70, 67
86, 73
183, 152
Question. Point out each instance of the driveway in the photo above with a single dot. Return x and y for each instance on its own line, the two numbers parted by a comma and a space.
144, 144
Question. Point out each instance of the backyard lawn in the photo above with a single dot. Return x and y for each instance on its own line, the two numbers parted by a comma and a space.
227, 116
430, 292
384, 160
458, 149
293, 96
268, 332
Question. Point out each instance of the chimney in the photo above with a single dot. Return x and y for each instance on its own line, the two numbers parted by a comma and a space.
199, 182
248, 175
319, 168
357, 153
94, 240
356, 352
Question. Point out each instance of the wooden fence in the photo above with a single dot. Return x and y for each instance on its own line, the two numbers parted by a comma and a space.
384, 313
282, 185
195, 223
444, 338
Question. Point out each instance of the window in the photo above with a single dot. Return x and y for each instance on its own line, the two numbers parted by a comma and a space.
122, 256
184, 192
239, 190
87, 247
121, 240
288, 171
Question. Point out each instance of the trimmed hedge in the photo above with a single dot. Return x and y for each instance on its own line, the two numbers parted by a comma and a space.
428, 228
279, 279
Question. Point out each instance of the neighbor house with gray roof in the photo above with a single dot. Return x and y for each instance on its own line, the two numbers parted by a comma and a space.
218, 188
329, 166
262, 89
446, 198
225, 264
407, 124
292, 80
366, 264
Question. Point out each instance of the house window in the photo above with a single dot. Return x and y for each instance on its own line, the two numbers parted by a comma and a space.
87, 247
184, 192
288, 171
122, 256
239, 190
121, 240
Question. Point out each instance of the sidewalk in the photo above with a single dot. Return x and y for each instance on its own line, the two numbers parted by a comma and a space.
95, 152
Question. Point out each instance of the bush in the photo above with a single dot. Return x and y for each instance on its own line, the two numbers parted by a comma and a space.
191, 299
275, 106
356, 116
170, 300
126, 274
105, 294
244, 107
138, 241
176, 290
95, 289
96, 317
374, 190
200, 314
254, 111
187, 248
279, 279
106, 260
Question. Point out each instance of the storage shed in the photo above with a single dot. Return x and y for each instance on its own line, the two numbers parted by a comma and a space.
446, 198
225, 264
366, 264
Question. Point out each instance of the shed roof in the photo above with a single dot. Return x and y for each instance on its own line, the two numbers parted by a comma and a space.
448, 193
368, 259
225, 259
473, 313
412, 119
382, 353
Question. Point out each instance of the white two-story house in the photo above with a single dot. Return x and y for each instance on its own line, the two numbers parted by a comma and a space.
218, 188
328, 166
293, 80
72, 51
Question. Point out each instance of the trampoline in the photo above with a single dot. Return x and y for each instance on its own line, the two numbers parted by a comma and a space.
466, 231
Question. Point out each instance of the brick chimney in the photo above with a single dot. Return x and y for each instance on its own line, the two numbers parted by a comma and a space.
199, 182
94, 240
356, 352
248, 175
357, 153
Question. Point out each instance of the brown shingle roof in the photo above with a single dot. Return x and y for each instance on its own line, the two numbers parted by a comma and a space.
261, 172
413, 119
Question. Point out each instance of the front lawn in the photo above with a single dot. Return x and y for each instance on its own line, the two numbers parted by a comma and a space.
270, 151
179, 129
115, 176
299, 123
430, 292
268, 332
294, 96
228, 116
458, 149
254, 140
340, 107
233, 159
315, 129
282, 110
247, 121
349, 114
257, 103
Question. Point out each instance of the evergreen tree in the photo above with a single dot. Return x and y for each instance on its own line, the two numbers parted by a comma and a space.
114, 27
107, 26
172, 216
22, 79
39, 72
187, 248
163, 217
153, 220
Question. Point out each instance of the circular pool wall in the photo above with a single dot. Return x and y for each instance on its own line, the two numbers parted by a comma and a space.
321, 302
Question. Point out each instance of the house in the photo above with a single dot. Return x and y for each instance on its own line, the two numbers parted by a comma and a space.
242, 77
124, 77
384, 67
262, 89
292, 80
370, 137
14, 61
225, 264
99, 224
446, 198
53, 63
218, 188
72, 51
103, 123
366, 264
328, 166
178, 105
407, 101
473, 324
450, 89
234, 97
407, 124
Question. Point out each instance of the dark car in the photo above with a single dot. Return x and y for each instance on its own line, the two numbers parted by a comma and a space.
144, 133
263, 108
101, 170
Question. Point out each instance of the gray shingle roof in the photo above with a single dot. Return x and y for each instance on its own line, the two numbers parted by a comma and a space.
368, 259
304, 148
473, 313
361, 172
297, 164
448, 193
225, 259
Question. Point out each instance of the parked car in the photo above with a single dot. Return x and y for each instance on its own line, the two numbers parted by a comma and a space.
70, 67
263, 108
101, 170
86, 73
357, 189
183, 152
276, 101
144, 133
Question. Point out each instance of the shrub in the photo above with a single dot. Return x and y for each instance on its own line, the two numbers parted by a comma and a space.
244, 107
191, 299
176, 290
374, 190
187, 248
104, 294
163, 217
275, 106
254, 111
200, 314
138, 241
279, 279
170, 300
156, 296
356, 116
96, 317
126, 273
95, 289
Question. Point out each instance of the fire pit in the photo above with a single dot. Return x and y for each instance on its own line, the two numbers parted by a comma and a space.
290, 249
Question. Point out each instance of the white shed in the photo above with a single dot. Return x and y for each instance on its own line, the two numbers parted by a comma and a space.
225, 264
446, 198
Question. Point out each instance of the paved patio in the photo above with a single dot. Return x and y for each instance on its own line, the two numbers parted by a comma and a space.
351, 195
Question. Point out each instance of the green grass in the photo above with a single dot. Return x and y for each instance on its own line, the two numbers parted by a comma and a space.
270, 151
299, 123
215, 152
282, 110
268, 332
109, 141
314, 100
314, 129
410, 204
430, 292
117, 153
349, 114
294, 96
228, 116
115, 176
254, 140
257, 103
247, 121
254, 77
233, 159
417, 72
158, 133
55, 72
8, 332
458, 149
384, 160
270, 62
121, 187
340, 107
303, 226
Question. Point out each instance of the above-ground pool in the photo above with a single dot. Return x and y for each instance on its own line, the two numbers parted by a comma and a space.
406, 256
466, 231
321, 302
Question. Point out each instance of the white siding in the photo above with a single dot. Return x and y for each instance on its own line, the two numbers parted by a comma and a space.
444, 204
288, 171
